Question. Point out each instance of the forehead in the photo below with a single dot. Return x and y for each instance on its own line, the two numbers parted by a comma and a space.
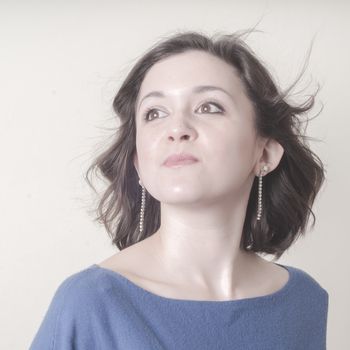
177, 74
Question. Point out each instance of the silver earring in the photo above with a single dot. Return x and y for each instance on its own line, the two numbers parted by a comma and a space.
262, 171
142, 211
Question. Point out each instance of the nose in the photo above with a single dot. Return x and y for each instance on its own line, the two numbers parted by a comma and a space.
180, 129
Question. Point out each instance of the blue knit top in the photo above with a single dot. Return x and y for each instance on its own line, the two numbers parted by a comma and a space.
99, 309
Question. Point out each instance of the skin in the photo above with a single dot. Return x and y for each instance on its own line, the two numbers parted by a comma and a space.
203, 205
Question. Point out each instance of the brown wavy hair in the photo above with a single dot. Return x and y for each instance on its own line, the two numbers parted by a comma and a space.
289, 190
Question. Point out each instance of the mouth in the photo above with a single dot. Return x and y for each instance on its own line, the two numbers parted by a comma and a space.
176, 160
179, 163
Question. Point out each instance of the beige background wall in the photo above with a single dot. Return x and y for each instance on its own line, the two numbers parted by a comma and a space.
61, 63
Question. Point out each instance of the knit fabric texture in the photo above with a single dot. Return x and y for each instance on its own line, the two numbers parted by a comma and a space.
99, 309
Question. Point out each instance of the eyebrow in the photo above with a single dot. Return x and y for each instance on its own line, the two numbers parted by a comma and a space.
197, 90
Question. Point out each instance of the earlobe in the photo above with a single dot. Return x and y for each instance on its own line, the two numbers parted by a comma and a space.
272, 154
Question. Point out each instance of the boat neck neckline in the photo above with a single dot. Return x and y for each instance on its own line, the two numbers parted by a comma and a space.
280, 293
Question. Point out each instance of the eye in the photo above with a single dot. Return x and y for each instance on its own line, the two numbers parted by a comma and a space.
152, 112
206, 109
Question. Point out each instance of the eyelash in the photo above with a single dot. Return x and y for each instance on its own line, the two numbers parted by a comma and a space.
145, 114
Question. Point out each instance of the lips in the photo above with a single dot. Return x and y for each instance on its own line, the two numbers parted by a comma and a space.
180, 158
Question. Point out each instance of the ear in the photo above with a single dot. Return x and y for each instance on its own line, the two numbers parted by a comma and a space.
271, 155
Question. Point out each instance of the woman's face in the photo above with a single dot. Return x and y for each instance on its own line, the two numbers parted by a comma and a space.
217, 127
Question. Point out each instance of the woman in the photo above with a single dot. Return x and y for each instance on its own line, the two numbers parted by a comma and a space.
224, 174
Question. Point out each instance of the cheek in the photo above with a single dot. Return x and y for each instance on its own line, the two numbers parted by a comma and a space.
149, 152
233, 154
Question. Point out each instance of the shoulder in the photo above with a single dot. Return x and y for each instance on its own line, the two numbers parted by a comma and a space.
73, 294
309, 308
308, 290
88, 291
79, 305
85, 285
307, 280
75, 285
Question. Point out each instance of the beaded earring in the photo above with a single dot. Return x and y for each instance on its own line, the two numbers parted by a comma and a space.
262, 171
143, 203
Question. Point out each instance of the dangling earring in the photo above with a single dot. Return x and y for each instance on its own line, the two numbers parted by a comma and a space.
262, 171
142, 211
